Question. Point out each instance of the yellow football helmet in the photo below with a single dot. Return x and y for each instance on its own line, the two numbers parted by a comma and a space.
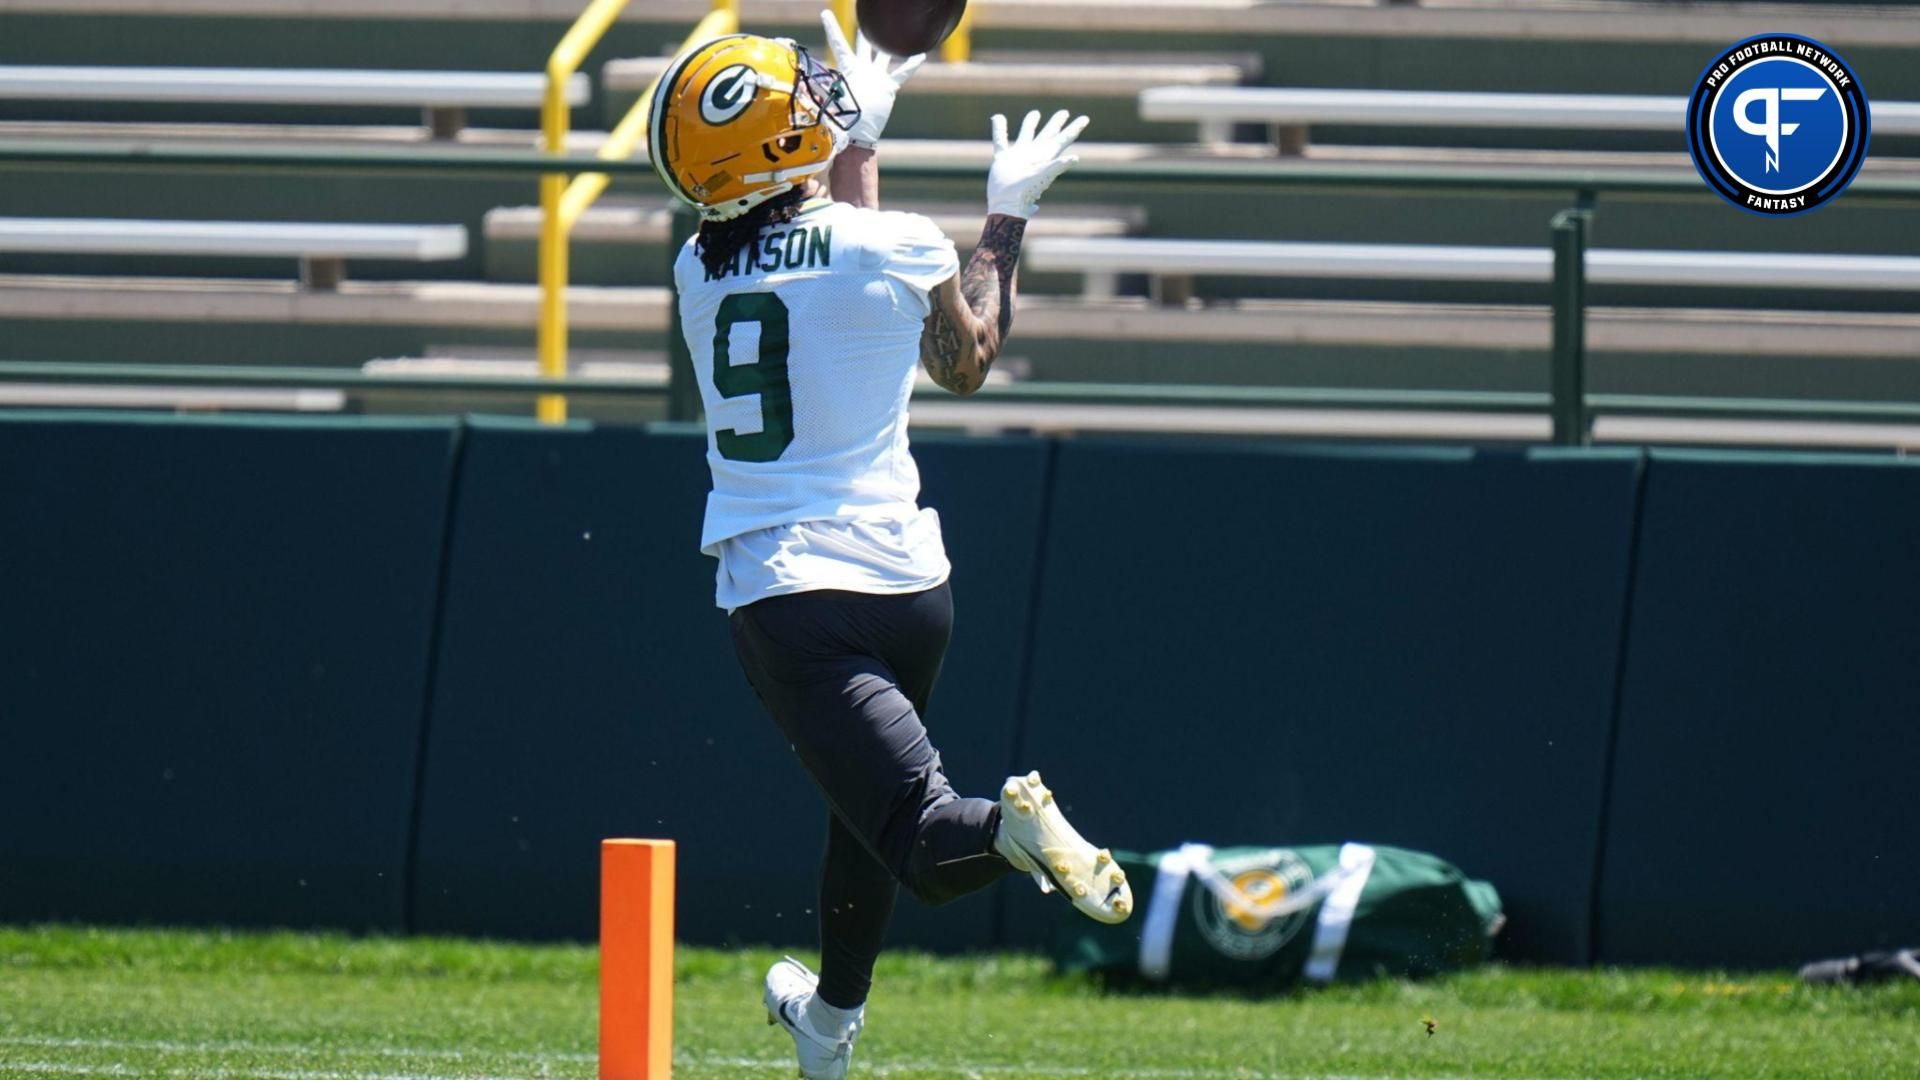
742, 118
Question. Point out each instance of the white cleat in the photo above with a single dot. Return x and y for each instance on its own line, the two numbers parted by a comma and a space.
789, 988
1036, 839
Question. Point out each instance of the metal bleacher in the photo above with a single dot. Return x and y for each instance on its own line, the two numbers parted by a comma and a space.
1291, 111
1214, 275
624, 240
1850, 21
322, 249
444, 96
1026, 75
1173, 263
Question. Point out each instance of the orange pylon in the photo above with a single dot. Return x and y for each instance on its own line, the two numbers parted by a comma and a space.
636, 959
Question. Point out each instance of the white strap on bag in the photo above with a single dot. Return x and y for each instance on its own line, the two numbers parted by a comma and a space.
1340, 887
1163, 911
1336, 916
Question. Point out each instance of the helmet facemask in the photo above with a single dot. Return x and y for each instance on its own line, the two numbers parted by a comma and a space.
821, 94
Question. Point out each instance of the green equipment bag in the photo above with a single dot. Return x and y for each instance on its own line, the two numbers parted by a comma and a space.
1269, 917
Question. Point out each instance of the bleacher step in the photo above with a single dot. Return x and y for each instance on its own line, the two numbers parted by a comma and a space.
169, 398
468, 304
487, 305
1858, 356
951, 100
645, 366
606, 237
1623, 21
1014, 74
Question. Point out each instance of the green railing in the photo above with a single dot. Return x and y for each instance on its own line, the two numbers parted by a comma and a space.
1569, 405
1572, 426
251, 376
1516, 402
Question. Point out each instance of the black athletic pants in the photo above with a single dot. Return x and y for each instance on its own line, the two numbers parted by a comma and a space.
847, 677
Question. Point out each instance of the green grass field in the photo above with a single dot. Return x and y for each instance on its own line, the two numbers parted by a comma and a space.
80, 1002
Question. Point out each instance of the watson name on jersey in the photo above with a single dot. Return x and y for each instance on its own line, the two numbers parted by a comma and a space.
805, 349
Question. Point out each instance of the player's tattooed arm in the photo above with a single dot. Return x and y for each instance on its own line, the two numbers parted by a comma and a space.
972, 317
973, 313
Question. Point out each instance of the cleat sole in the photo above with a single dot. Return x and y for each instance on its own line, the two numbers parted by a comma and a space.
1057, 856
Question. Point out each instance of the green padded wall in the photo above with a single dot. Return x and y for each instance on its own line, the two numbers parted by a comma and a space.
219, 642
215, 638
1270, 645
1762, 811
587, 688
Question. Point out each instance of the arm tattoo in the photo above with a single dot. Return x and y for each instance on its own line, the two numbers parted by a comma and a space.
940, 351
987, 286
988, 283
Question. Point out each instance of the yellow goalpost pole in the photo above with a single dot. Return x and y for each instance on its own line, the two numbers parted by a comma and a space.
563, 201
556, 119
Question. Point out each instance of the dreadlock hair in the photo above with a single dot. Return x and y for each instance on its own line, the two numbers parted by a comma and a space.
720, 241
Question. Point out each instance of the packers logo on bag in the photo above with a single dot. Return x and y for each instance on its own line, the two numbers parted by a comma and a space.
1243, 925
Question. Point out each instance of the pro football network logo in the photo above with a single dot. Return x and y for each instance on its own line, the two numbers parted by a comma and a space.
1778, 124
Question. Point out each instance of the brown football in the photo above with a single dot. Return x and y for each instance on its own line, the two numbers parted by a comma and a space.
906, 27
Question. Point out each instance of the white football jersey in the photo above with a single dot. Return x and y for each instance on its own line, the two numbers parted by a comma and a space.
805, 349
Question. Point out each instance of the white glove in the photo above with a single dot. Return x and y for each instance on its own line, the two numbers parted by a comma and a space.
1023, 170
866, 70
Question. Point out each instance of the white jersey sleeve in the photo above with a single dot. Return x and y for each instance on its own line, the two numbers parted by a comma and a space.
917, 257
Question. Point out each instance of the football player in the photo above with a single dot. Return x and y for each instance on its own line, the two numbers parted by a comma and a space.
806, 309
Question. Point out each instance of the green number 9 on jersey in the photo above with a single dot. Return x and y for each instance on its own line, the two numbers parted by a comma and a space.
766, 375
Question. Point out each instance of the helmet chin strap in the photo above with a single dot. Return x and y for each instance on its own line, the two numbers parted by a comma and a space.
781, 183
734, 208
785, 177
